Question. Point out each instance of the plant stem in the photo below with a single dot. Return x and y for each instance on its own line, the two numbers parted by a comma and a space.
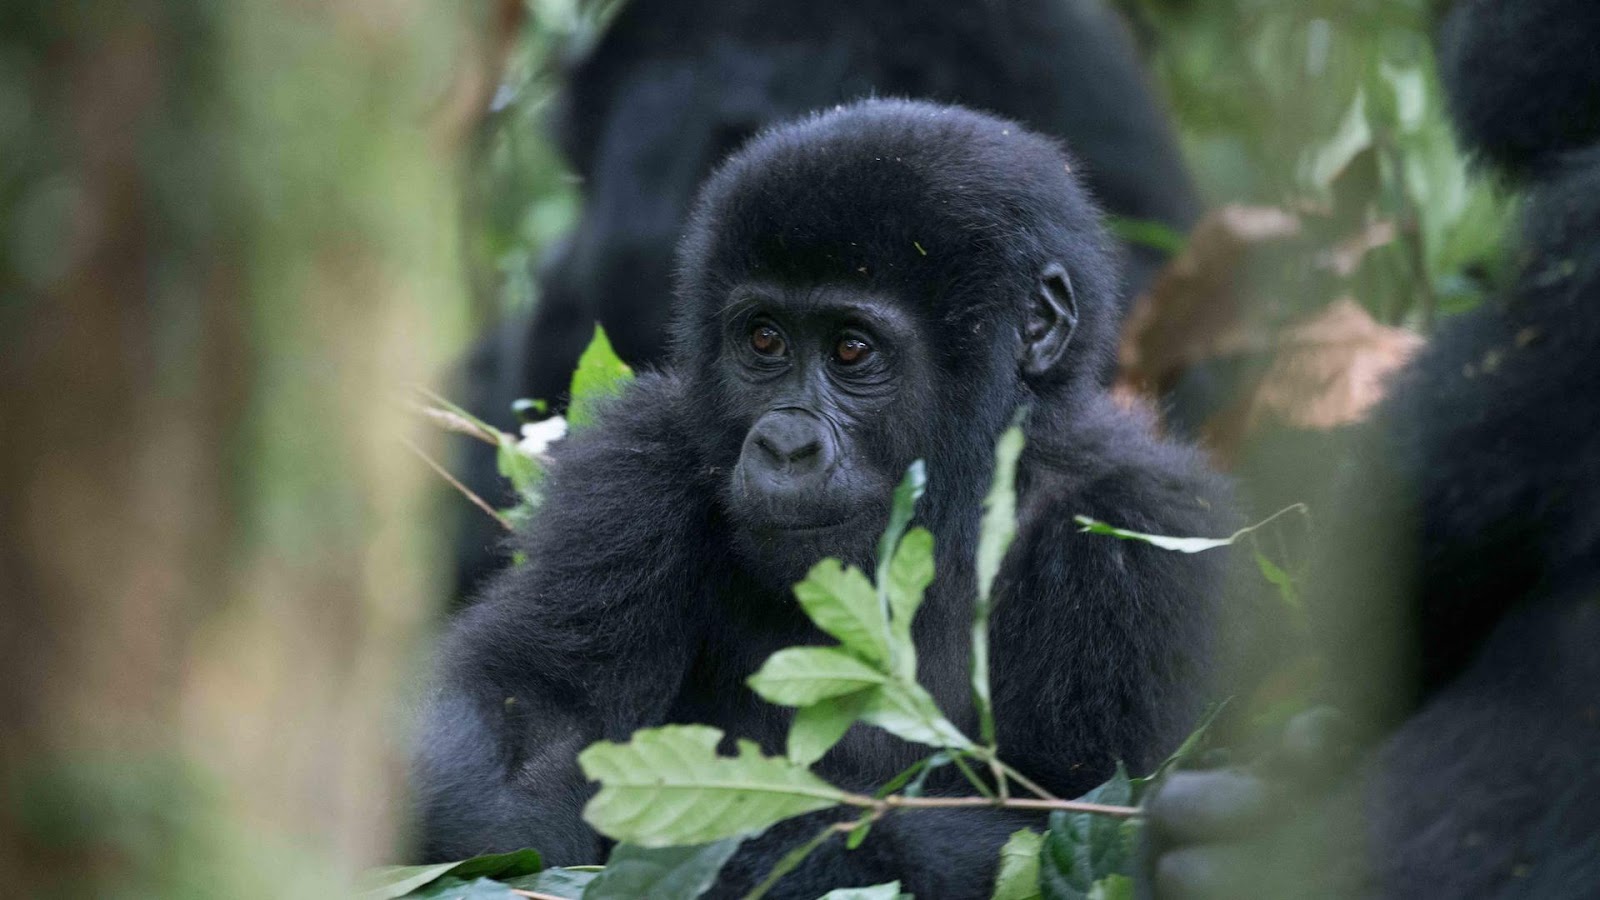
477, 501
973, 777
898, 801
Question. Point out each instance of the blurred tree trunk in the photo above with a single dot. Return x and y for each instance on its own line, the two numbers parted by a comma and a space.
228, 246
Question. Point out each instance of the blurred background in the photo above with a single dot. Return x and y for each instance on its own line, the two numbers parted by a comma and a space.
236, 239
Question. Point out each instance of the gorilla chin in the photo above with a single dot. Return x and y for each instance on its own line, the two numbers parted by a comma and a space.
783, 529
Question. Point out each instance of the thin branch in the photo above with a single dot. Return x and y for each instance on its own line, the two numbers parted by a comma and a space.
452, 421
477, 501
1026, 782
976, 781
899, 801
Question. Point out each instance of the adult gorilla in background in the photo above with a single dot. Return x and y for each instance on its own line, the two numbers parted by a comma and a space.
675, 85
1459, 596
885, 282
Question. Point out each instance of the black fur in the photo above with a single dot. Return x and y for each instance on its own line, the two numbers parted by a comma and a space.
1459, 600
645, 601
675, 85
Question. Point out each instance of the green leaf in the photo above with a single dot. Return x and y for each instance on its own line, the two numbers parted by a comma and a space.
816, 728
452, 888
388, 882
910, 572
843, 603
664, 873
1112, 887
522, 470
668, 786
1018, 878
999, 511
600, 375
801, 676
858, 834
890, 891
903, 507
1080, 849
1280, 579
907, 711
1147, 233
1180, 544
568, 883
1190, 746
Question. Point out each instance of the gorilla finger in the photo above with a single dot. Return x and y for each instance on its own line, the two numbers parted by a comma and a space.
1219, 872
1197, 807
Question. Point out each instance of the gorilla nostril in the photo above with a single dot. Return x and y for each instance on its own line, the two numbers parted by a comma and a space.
791, 442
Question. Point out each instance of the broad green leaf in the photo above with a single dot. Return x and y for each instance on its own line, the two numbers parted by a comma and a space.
567, 883
453, 888
668, 786
816, 728
1080, 849
1018, 878
908, 712
600, 375
389, 882
663, 873
890, 891
910, 572
843, 603
801, 676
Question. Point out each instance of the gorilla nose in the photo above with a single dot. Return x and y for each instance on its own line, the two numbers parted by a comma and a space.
793, 442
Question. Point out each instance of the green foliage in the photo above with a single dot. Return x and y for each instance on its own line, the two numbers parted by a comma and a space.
1081, 850
667, 786
1018, 878
600, 375
664, 873
400, 881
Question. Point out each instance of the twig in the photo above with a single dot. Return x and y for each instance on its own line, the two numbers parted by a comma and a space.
1026, 782
899, 801
452, 421
465, 491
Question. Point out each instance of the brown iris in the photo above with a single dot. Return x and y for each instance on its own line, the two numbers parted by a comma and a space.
851, 351
765, 340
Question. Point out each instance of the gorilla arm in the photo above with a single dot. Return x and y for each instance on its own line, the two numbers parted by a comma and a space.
587, 640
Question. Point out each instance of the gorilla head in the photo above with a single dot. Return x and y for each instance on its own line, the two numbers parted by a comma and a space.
884, 281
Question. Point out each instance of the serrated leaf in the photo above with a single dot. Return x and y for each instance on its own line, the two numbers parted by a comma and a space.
668, 786
1080, 849
909, 575
890, 891
663, 873
801, 676
600, 375
908, 712
1018, 878
816, 728
843, 603
389, 882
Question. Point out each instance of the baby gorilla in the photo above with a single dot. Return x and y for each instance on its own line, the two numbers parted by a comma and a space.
885, 282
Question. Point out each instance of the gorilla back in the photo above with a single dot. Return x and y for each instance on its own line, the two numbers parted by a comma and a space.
885, 282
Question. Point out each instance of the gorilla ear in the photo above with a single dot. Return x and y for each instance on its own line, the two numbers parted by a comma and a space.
1052, 316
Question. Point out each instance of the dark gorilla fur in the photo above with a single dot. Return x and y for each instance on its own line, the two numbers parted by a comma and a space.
1459, 599
653, 589
673, 86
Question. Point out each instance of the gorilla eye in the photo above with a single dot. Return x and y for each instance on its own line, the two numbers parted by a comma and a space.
851, 351
766, 340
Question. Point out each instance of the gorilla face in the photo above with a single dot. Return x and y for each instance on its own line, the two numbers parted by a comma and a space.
830, 389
